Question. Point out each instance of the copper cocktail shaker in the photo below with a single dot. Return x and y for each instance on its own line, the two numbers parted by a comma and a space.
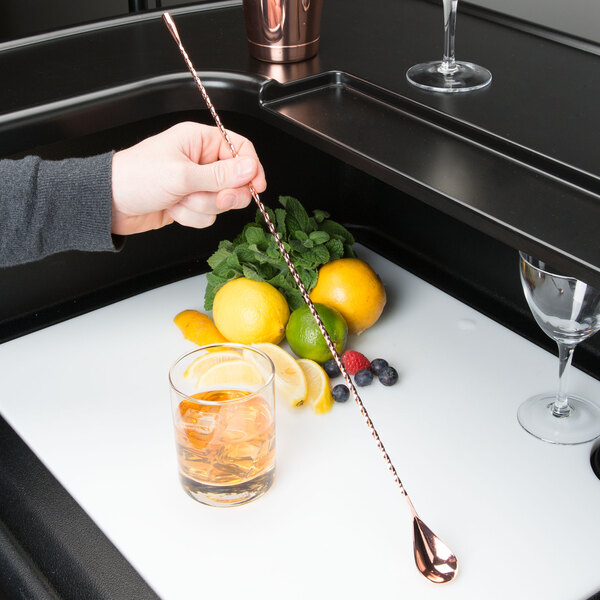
282, 31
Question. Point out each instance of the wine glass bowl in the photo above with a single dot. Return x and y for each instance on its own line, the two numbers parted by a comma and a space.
448, 74
568, 311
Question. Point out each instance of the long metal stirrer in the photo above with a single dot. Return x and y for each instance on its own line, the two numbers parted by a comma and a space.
427, 533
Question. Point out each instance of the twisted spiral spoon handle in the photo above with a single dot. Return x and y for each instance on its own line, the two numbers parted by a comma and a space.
433, 558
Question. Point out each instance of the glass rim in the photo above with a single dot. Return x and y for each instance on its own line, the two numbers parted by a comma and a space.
526, 257
206, 347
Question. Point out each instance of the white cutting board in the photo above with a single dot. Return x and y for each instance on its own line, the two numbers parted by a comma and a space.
90, 397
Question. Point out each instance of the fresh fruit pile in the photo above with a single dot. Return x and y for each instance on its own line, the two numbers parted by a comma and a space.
254, 301
364, 372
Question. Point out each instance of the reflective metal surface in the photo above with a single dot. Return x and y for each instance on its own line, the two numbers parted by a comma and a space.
283, 30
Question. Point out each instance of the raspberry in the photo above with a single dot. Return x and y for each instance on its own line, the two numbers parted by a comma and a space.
355, 361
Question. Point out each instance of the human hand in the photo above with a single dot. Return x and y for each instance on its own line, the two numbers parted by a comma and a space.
184, 174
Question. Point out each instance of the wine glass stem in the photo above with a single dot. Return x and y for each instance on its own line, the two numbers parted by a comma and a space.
448, 61
561, 407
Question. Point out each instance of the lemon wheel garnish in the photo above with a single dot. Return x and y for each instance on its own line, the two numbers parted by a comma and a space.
319, 393
206, 361
290, 383
233, 372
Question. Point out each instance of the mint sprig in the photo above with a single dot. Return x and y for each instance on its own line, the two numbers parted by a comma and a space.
311, 241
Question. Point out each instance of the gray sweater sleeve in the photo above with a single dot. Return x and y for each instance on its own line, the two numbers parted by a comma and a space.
52, 206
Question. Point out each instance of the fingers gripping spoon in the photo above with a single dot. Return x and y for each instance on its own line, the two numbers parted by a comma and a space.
433, 558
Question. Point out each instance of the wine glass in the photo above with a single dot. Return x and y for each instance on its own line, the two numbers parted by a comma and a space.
568, 311
448, 74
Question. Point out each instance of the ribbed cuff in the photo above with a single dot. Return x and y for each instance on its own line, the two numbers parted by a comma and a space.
75, 196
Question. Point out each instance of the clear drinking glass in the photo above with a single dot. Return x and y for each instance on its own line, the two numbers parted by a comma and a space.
448, 74
223, 405
568, 311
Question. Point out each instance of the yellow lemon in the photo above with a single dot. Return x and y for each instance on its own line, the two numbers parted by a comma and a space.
198, 328
352, 287
234, 372
290, 383
206, 361
319, 393
248, 312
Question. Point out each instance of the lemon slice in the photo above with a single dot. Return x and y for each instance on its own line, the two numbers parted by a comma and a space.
206, 361
319, 394
290, 383
232, 372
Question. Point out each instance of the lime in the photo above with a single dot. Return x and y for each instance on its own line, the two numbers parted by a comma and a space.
305, 338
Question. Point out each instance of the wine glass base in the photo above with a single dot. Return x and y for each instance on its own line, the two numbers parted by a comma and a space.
464, 77
582, 425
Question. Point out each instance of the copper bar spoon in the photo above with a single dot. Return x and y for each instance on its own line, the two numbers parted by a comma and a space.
433, 558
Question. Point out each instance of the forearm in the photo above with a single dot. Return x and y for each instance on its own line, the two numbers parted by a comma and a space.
53, 206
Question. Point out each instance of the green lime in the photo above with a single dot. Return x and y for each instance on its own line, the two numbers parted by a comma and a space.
305, 338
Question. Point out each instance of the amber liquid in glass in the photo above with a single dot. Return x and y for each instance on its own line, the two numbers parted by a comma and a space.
228, 449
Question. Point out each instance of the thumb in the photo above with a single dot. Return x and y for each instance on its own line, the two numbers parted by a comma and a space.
222, 174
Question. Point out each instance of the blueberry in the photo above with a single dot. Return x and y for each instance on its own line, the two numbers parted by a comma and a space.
340, 393
378, 365
388, 376
363, 377
331, 368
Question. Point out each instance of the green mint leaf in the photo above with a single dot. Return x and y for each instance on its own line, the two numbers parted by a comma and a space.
308, 243
336, 248
320, 215
318, 254
209, 297
300, 235
273, 252
245, 254
254, 235
233, 262
214, 283
349, 251
336, 230
220, 254
280, 215
297, 246
297, 217
251, 272
319, 237
294, 298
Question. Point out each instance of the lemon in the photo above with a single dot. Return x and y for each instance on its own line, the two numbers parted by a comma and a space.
305, 337
236, 373
250, 312
290, 383
198, 328
206, 361
351, 286
319, 393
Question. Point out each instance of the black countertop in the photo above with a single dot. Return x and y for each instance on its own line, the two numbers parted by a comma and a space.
518, 160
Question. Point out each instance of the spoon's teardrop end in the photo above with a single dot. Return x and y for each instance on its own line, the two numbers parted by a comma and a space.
433, 558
